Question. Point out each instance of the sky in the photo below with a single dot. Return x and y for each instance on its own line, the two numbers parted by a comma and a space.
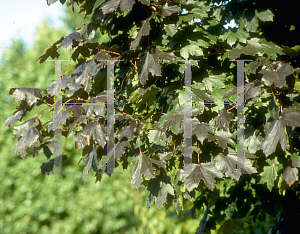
20, 18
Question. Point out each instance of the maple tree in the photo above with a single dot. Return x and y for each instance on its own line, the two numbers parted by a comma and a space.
148, 37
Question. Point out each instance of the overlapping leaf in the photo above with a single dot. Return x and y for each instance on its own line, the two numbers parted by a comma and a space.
191, 49
30, 94
232, 37
277, 132
77, 111
157, 137
93, 130
92, 163
223, 119
199, 129
143, 31
29, 136
291, 117
231, 162
108, 162
277, 77
201, 95
205, 171
143, 166
47, 168
159, 188
214, 81
112, 5
150, 63
11, 119
127, 131
68, 41
253, 142
252, 90
222, 137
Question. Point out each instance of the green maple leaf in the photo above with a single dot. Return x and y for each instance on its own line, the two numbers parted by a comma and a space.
269, 174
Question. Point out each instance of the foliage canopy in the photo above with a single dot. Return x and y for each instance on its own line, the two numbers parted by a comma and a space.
149, 37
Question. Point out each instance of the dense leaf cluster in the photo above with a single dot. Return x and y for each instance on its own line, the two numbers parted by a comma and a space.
149, 37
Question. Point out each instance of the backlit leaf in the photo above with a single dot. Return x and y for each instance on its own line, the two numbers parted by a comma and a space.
30, 94
143, 166
290, 175
276, 133
205, 171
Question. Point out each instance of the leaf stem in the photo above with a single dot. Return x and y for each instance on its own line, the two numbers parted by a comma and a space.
140, 147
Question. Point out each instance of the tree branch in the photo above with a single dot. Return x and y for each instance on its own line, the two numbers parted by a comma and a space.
204, 220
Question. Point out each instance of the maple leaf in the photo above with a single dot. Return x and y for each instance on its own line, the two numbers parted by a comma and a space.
295, 160
157, 137
98, 109
205, 171
290, 175
200, 130
166, 55
150, 63
143, 31
214, 81
120, 148
80, 75
112, 5
231, 162
47, 167
11, 119
49, 147
253, 142
159, 188
93, 129
251, 90
277, 77
30, 94
109, 160
143, 166
68, 41
77, 111
269, 174
51, 51
232, 225
255, 64
223, 119
201, 95
165, 155
276, 133
169, 10
92, 162
222, 137
28, 136
174, 119
127, 131
291, 117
